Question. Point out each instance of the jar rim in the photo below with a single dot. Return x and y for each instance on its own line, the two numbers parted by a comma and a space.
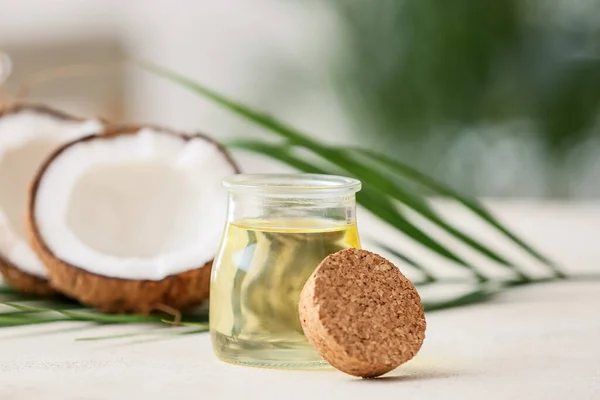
292, 183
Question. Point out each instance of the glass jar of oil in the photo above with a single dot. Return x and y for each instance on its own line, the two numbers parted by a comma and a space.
279, 228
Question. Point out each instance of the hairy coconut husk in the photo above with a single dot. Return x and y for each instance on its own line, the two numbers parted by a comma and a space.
116, 295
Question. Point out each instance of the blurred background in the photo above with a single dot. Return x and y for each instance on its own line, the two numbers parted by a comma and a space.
498, 99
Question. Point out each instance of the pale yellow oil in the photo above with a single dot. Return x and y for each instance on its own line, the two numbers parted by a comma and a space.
257, 278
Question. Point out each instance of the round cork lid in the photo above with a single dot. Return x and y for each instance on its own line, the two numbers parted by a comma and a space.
361, 314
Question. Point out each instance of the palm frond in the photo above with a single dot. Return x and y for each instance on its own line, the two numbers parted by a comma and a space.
162, 332
470, 203
345, 160
384, 188
388, 190
475, 296
23, 312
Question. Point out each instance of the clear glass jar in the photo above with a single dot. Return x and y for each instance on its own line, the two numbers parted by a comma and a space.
279, 228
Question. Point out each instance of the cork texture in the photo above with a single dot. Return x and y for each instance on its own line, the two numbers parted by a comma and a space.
363, 316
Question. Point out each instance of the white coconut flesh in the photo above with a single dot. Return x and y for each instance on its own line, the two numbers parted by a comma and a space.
140, 206
27, 137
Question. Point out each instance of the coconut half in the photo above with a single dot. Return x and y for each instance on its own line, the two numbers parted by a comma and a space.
28, 135
130, 220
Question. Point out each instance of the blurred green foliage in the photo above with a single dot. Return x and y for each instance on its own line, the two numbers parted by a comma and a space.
419, 75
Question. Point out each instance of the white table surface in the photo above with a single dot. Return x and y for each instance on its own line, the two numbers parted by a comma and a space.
539, 342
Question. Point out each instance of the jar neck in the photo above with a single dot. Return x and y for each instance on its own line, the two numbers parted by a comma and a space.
338, 209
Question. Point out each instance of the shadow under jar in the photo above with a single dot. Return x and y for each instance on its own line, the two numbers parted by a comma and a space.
279, 228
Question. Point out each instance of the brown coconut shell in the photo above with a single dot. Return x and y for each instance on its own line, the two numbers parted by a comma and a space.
16, 278
116, 295
361, 314
24, 282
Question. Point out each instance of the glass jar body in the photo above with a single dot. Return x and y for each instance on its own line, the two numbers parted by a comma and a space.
273, 241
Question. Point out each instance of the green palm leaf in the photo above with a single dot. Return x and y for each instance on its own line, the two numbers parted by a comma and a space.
418, 204
53, 311
477, 295
472, 204
164, 332
384, 189
364, 172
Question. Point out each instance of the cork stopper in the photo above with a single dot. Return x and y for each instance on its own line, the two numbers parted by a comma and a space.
361, 314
